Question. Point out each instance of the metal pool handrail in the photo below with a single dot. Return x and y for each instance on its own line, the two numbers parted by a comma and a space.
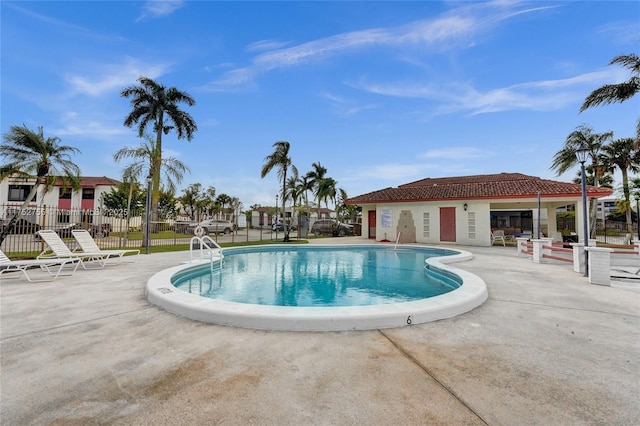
203, 243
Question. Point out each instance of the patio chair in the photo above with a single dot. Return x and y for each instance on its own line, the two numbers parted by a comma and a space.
88, 245
58, 250
498, 235
53, 267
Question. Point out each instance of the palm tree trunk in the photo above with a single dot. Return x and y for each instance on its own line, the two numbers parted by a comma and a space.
627, 199
284, 192
593, 205
155, 185
126, 229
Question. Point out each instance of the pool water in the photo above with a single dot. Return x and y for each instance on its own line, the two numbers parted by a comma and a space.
316, 276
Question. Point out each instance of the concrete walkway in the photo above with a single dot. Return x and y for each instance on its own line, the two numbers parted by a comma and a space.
547, 348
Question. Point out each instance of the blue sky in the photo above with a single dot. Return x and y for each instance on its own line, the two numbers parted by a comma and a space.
380, 93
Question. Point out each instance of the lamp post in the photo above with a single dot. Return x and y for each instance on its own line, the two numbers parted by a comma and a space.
276, 222
581, 155
147, 228
638, 212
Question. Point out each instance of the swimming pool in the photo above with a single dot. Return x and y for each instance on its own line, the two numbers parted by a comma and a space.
348, 307
319, 276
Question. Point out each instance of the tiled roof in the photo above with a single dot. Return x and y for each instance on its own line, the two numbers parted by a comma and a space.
496, 186
85, 181
93, 181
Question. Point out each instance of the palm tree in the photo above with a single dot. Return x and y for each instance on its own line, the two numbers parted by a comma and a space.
145, 158
28, 154
327, 190
621, 153
635, 188
236, 205
155, 105
306, 185
281, 160
192, 199
315, 176
209, 202
565, 159
294, 191
605, 180
618, 93
223, 200
344, 210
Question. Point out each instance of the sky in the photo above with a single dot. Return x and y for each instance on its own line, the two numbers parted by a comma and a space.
379, 93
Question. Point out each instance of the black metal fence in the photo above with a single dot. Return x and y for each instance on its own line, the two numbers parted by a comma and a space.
615, 232
110, 228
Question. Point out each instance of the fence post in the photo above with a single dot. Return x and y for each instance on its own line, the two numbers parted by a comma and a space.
599, 265
520, 245
578, 257
538, 251
546, 241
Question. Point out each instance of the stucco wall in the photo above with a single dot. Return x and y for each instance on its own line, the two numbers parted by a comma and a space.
472, 225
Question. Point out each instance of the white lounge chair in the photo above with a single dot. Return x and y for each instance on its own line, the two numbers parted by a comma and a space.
498, 235
88, 245
53, 267
58, 250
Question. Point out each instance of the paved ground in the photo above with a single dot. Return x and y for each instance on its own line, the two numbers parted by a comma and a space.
547, 348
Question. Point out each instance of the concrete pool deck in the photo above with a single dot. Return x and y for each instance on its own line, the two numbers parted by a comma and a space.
545, 348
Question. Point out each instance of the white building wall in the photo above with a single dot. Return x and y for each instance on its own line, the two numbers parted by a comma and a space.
473, 226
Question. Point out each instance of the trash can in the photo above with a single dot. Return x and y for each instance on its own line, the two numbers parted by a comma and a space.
567, 239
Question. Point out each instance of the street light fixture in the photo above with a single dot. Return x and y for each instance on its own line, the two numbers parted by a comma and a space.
581, 155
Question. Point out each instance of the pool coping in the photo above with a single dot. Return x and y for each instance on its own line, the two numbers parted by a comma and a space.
471, 294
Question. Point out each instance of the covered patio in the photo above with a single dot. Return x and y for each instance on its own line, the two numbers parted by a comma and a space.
465, 209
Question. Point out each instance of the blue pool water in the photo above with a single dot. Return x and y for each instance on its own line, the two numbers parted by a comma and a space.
317, 276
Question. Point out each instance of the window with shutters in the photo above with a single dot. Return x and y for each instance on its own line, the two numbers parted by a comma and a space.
472, 225
426, 227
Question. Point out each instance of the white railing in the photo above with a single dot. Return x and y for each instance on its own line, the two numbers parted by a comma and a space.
203, 247
601, 259
397, 239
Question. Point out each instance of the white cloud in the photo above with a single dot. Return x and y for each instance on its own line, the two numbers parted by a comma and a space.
333, 97
170, 153
232, 81
55, 22
544, 95
346, 106
107, 78
393, 172
445, 32
621, 32
456, 153
159, 8
93, 129
208, 122
358, 109
375, 177
263, 45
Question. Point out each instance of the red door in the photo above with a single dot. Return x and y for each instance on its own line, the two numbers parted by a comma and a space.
448, 224
372, 224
